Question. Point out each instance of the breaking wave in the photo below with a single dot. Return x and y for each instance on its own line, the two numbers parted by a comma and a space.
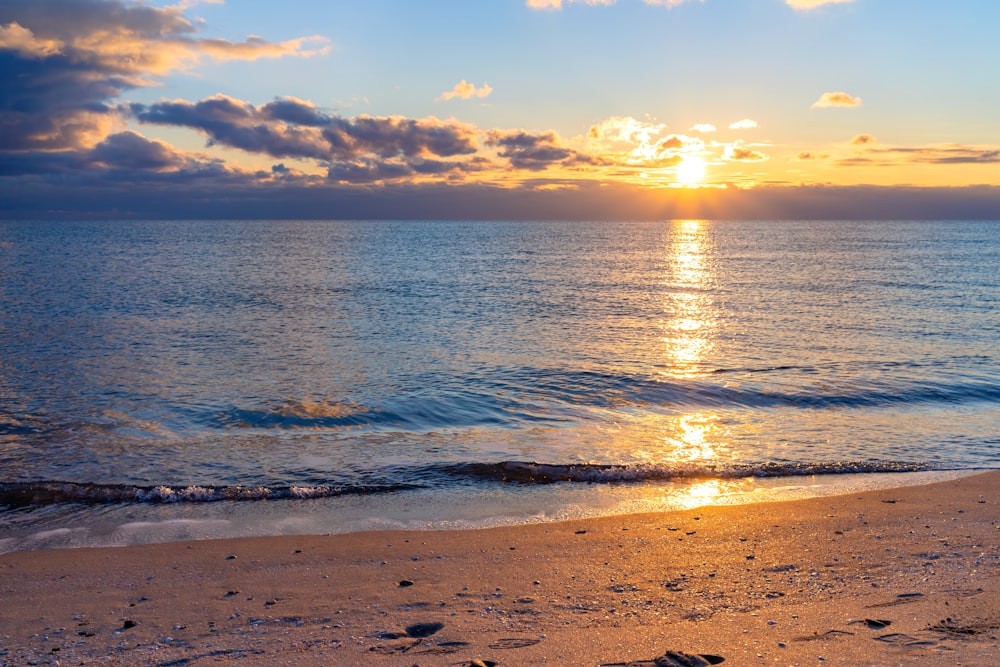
26, 494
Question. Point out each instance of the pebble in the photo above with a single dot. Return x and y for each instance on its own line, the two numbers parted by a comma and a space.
421, 630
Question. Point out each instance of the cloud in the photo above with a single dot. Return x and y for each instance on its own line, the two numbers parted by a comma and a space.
261, 195
65, 61
625, 129
635, 145
745, 124
862, 139
806, 5
807, 156
130, 150
130, 38
20, 40
740, 152
676, 144
703, 127
294, 128
535, 151
464, 90
838, 99
947, 154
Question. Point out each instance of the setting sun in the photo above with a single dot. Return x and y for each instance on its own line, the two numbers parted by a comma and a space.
691, 170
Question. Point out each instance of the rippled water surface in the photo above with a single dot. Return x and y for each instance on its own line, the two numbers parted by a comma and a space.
150, 362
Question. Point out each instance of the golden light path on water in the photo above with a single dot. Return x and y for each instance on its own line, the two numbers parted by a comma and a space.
683, 346
680, 345
690, 328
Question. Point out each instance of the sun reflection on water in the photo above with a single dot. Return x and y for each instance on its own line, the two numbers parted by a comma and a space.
691, 440
700, 494
689, 326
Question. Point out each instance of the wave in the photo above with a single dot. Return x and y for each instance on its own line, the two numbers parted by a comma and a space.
26, 494
523, 397
845, 391
543, 473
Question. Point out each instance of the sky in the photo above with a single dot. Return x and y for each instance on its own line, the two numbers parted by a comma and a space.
485, 109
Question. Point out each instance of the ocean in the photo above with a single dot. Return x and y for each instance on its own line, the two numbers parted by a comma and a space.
167, 380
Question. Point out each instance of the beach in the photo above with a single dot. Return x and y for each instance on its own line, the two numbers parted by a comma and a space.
897, 576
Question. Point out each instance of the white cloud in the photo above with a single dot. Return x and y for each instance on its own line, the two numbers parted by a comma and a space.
465, 90
703, 127
838, 99
745, 124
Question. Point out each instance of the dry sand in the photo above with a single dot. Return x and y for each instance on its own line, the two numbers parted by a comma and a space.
900, 576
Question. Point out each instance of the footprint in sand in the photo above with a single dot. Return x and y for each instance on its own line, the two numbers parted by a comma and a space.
899, 639
514, 642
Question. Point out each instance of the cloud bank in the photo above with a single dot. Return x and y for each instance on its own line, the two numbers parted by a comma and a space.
63, 61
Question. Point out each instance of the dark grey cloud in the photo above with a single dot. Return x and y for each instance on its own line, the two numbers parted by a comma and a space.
294, 111
66, 19
940, 155
535, 151
366, 191
130, 150
293, 128
368, 170
238, 124
64, 62
53, 104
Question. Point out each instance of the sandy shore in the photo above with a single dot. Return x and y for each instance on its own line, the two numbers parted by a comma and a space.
900, 576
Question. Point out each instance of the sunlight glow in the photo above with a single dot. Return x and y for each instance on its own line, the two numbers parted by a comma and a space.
691, 170
701, 494
689, 327
691, 440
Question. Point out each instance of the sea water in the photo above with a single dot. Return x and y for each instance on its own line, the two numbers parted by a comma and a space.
174, 379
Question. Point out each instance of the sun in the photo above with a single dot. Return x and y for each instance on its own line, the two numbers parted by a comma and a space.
691, 170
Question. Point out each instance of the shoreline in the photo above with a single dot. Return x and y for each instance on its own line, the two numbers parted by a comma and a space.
901, 575
460, 508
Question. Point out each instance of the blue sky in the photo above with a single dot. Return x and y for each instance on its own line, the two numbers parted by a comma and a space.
684, 106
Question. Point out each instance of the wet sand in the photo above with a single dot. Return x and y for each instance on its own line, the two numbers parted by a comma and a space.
898, 576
